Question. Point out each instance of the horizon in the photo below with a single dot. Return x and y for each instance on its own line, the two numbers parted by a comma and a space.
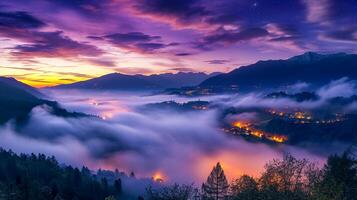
173, 73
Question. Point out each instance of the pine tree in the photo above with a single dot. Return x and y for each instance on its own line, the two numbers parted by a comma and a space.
118, 186
216, 186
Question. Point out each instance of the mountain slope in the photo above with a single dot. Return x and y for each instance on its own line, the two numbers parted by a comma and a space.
310, 67
17, 84
117, 81
17, 103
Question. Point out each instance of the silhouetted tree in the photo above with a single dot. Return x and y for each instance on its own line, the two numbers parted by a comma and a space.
286, 178
339, 180
132, 174
110, 198
173, 192
244, 188
216, 186
37, 177
118, 186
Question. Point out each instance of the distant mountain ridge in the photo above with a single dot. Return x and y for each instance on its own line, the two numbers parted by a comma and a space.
310, 67
118, 81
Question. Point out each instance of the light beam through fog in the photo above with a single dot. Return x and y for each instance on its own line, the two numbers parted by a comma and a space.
167, 143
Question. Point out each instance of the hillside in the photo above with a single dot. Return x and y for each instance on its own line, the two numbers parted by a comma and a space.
19, 85
17, 103
310, 67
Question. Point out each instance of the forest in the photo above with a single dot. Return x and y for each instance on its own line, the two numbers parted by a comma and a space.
38, 177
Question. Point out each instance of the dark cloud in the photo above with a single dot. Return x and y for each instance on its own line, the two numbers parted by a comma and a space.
54, 44
103, 62
132, 37
217, 62
183, 69
183, 54
22, 20
137, 41
184, 11
19, 25
343, 35
149, 46
24, 27
233, 36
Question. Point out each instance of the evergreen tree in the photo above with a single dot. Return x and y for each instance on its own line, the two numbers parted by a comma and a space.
118, 186
339, 179
172, 192
216, 186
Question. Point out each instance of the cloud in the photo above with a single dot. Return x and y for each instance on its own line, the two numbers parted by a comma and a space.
137, 41
24, 27
182, 69
183, 54
317, 11
54, 44
298, 87
217, 62
347, 35
19, 20
131, 140
331, 12
338, 88
180, 11
132, 37
234, 36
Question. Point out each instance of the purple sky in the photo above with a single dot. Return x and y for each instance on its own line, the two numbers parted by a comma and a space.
48, 42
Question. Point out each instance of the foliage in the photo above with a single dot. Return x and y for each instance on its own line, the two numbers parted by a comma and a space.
244, 188
216, 186
174, 192
339, 180
37, 177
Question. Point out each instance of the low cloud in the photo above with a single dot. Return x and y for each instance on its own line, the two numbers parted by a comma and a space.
338, 88
166, 142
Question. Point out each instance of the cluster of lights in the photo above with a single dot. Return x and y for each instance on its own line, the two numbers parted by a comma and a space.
305, 117
248, 129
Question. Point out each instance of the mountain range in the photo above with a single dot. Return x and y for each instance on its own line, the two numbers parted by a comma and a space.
312, 68
118, 81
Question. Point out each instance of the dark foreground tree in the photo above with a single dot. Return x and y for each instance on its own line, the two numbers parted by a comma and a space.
174, 192
339, 180
244, 188
288, 178
216, 186
37, 177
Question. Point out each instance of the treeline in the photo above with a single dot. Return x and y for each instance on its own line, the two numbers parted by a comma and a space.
286, 179
37, 177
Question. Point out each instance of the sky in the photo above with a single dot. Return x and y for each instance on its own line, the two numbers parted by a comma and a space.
45, 42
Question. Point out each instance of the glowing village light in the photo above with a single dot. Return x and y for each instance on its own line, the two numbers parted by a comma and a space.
158, 177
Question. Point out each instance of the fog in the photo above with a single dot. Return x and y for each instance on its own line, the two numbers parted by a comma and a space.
180, 146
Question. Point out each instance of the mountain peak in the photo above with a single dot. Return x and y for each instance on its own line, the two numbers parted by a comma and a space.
313, 56
308, 57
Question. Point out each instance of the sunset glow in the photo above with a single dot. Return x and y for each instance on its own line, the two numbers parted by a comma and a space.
88, 39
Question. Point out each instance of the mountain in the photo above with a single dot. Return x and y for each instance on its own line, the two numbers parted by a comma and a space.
17, 84
310, 67
299, 97
117, 81
17, 101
